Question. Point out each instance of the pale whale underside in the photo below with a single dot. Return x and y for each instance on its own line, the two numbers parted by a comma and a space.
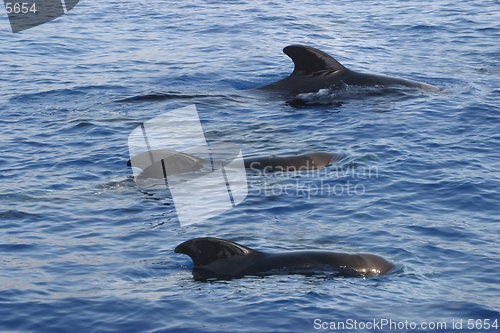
315, 70
221, 259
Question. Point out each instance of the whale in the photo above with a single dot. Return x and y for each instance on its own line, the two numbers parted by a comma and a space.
168, 162
309, 161
215, 258
315, 70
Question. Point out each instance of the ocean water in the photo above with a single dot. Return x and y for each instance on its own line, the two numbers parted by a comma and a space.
83, 249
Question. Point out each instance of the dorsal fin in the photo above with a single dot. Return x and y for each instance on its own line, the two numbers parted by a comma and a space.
204, 251
161, 163
309, 60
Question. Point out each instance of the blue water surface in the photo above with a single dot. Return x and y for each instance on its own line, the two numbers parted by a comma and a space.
83, 249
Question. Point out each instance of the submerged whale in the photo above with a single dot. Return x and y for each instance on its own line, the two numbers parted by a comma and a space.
315, 70
222, 259
170, 162
308, 161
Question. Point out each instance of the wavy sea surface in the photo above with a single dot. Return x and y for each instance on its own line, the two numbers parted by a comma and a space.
83, 249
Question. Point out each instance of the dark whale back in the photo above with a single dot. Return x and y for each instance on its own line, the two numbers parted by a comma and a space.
315, 70
222, 259
160, 163
292, 163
